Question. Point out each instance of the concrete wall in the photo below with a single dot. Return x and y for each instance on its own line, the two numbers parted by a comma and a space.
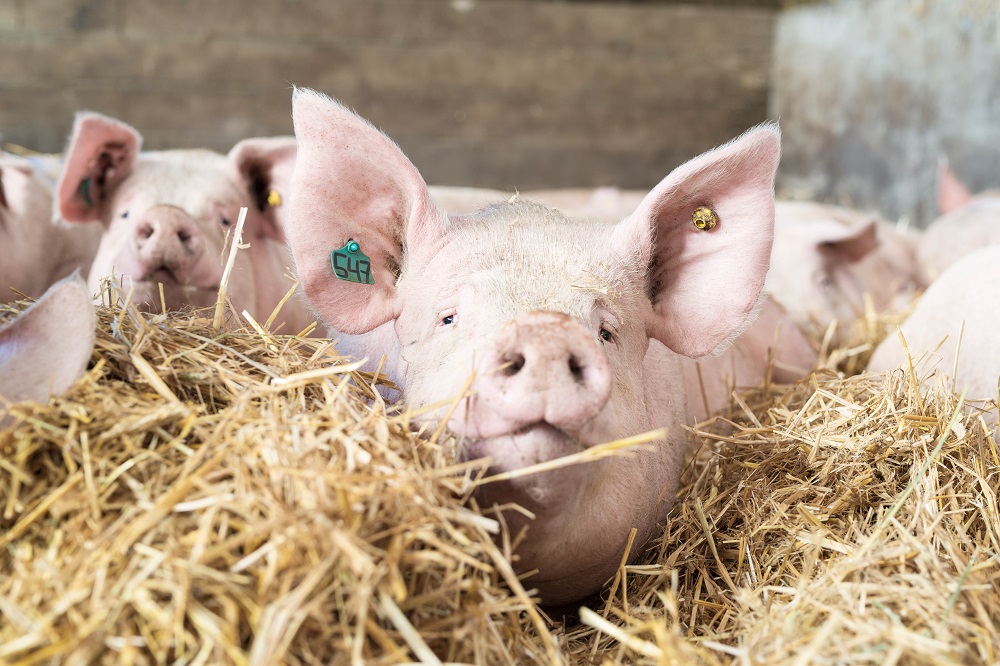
871, 92
502, 93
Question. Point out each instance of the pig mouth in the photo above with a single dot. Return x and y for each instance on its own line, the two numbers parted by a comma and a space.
176, 293
524, 446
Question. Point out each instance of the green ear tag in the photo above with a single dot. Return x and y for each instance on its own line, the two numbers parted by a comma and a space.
85, 192
351, 264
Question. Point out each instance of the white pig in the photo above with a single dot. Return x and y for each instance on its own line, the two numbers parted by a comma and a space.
36, 251
166, 215
969, 291
967, 223
826, 258
45, 349
573, 330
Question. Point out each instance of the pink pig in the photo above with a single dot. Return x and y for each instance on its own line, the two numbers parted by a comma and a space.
826, 258
574, 330
38, 358
968, 291
37, 251
967, 223
166, 216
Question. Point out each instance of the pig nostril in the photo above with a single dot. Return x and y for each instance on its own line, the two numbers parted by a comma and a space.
511, 365
145, 231
184, 236
576, 369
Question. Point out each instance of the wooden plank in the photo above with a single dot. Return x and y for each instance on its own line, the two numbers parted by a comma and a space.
508, 90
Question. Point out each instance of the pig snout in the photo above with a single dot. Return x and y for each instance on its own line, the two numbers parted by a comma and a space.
167, 243
543, 368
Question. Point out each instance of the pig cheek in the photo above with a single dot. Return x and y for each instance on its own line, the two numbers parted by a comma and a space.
437, 370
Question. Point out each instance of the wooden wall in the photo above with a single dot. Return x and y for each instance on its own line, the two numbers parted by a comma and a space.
502, 93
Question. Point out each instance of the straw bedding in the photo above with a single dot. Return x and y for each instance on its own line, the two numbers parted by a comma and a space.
247, 498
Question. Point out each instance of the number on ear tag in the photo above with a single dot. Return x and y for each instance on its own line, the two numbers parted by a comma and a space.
351, 264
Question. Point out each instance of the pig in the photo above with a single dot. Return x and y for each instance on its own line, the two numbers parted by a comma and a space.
573, 331
826, 258
165, 217
967, 223
37, 251
46, 348
969, 291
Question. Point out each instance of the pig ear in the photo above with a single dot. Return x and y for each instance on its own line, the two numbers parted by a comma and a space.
101, 154
46, 348
704, 284
951, 192
352, 183
848, 243
264, 165
3, 192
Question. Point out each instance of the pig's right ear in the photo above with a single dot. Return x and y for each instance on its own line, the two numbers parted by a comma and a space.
952, 194
354, 191
45, 349
101, 154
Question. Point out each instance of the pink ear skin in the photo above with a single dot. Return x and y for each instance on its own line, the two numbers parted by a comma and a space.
351, 182
850, 244
101, 153
264, 165
46, 348
705, 284
951, 193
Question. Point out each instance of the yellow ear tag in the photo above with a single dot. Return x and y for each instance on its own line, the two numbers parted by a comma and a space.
273, 198
704, 218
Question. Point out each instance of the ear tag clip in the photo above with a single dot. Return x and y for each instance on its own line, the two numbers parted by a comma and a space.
704, 218
273, 198
85, 192
351, 264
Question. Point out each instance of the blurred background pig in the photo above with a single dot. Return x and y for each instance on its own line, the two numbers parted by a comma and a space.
36, 251
967, 223
167, 216
953, 331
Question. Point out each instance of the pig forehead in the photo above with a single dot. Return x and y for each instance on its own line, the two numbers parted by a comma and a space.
565, 266
191, 180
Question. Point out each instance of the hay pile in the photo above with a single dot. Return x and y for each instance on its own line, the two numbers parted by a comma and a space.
249, 499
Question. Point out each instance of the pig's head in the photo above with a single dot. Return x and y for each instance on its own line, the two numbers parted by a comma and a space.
967, 223
826, 258
564, 324
166, 215
45, 349
25, 223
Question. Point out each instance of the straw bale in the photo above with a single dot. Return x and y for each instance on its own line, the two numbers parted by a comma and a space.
247, 498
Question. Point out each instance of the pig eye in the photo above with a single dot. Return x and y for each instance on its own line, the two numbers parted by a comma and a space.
606, 335
226, 222
125, 215
448, 318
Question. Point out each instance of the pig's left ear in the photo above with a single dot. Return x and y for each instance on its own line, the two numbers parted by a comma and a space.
264, 166
705, 234
847, 243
